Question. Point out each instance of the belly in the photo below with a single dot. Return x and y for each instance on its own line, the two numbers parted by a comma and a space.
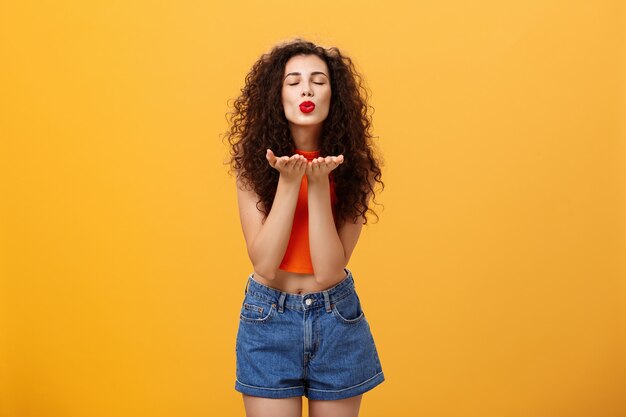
294, 283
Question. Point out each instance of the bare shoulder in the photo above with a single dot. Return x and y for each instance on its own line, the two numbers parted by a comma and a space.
250, 217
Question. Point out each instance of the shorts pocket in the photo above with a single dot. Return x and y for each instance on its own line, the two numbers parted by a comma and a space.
348, 310
256, 310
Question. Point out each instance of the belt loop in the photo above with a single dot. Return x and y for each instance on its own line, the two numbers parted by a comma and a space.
327, 301
245, 291
281, 301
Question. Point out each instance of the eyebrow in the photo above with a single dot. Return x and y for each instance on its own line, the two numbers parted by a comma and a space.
298, 73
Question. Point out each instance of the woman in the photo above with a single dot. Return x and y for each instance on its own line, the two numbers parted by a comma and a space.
302, 152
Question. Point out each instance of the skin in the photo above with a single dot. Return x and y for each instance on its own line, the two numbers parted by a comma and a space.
330, 247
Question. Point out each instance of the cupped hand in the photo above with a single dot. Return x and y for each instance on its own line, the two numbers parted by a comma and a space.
319, 168
290, 167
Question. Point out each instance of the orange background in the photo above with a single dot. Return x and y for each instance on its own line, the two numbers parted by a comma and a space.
494, 281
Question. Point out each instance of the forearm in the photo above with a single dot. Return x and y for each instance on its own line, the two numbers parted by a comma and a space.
268, 248
327, 253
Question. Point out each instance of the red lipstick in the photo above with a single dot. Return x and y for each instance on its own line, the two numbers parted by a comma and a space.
307, 106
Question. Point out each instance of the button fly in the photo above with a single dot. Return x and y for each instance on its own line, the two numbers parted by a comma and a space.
308, 301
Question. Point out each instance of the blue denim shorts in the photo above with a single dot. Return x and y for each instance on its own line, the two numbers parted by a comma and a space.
316, 344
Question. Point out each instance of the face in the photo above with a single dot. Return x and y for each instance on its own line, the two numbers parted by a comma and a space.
306, 79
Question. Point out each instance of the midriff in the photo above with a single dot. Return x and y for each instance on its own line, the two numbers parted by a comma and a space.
295, 283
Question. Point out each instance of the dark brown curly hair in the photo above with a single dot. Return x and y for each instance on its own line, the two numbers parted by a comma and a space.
257, 122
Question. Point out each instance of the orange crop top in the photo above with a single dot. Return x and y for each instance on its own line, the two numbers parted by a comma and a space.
298, 254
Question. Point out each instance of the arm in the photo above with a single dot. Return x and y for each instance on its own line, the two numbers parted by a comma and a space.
267, 242
330, 248
327, 252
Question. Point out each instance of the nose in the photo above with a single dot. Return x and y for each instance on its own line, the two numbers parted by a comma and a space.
307, 91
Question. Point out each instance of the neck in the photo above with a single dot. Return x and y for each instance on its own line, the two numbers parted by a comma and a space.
306, 138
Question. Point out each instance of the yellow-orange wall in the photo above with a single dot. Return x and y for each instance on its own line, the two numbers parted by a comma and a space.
494, 281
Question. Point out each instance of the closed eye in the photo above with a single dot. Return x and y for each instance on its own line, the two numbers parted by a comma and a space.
313, 83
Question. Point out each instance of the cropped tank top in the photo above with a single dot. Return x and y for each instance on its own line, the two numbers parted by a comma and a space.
298, 254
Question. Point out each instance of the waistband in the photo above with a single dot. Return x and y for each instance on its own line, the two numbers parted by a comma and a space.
301, 302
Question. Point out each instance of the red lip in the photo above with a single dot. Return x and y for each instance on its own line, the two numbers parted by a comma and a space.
307, 106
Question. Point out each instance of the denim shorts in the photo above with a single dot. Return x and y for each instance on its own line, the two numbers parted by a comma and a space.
316, 344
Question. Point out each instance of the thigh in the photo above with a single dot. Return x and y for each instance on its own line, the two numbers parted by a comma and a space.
269, 350
272, 407
346, 363
348, 407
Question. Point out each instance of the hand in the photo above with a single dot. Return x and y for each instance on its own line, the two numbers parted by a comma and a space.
291, 168
319, 168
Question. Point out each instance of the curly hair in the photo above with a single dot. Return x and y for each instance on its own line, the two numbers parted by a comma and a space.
257, 122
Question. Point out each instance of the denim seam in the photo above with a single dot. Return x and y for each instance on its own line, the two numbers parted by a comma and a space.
267, 299
375, 350
258, 321
356, 320
345, 389
273, 389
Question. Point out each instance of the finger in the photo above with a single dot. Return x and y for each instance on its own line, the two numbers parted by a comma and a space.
271, 158
285, 160
270, 155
